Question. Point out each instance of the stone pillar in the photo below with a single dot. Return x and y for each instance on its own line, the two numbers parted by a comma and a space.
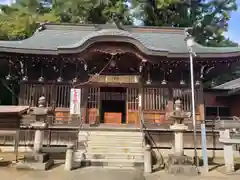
228, 152
69, 158
178, 143
228, 158
38, 140
147, 159
178, 130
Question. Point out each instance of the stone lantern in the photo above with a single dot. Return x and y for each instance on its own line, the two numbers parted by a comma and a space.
38, 160
177, 162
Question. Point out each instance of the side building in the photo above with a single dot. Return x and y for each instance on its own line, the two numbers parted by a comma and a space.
223, 101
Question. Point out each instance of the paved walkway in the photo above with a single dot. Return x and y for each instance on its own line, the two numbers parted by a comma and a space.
102, 174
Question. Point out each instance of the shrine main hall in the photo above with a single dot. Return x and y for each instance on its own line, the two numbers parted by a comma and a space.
118, 70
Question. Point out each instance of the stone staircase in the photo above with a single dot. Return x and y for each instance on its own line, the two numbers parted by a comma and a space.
112, 149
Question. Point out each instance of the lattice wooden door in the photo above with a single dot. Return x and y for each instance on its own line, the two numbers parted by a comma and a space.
132, 106
93, 104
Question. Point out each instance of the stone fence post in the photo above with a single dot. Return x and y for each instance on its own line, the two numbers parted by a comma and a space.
228, 151
147, 159
69, 158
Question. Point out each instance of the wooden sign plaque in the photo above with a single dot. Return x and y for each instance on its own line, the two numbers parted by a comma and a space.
115, 79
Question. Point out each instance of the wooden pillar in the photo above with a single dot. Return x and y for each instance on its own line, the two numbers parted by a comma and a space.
14, 98
85, 105
127, 115
170, 103
21, 94
98, 118
54, 95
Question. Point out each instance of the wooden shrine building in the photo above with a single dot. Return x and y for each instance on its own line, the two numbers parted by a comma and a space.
116, 69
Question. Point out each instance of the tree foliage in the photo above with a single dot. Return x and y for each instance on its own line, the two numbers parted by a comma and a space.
19, 20
208, 19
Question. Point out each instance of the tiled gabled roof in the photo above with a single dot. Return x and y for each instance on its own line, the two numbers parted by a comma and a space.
151, 40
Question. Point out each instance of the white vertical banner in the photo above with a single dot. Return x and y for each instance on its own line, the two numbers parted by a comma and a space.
75, 101
139, 100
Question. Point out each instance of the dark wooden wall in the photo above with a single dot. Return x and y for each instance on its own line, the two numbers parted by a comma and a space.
57, 94
156, 101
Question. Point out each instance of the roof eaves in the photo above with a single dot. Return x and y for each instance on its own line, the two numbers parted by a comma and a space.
55, 26
206, 55
28, 51
234, 91
229, 85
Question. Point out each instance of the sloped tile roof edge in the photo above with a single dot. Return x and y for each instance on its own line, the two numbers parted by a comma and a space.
100, 31
230, 85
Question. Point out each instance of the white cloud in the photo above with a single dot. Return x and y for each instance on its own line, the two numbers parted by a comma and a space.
7, 1
226, 34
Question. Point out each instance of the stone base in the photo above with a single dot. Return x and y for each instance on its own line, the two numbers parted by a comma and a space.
38, 125
4, 163
178, 127
189, 170
179, 159
25, 165
94, 124
39, 157
178, 164
223, 171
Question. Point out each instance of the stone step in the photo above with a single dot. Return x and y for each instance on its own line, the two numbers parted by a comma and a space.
111, 149
114, 163
114, 144
125, 138
122, 168
113, 138
108, 149
109, 133
127, 156
120, 138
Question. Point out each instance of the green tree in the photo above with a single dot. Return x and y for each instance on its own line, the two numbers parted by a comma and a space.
208, 19
91, 11
21, 20
16, 26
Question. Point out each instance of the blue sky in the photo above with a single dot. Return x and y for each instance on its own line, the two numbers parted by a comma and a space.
234, 23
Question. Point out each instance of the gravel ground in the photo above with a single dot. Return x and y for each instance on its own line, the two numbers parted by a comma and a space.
94, 173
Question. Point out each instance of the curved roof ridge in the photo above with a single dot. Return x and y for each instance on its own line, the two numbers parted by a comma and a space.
64, 26
111, 32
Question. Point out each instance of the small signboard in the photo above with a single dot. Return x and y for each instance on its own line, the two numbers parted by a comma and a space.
75, 101
115, 79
